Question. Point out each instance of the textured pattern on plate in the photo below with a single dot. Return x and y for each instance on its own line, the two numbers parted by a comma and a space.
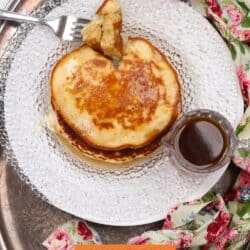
137, 194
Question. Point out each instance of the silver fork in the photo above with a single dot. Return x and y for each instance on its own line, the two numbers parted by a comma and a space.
65, 27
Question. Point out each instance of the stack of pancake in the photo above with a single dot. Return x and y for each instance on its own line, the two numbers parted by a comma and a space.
114, 113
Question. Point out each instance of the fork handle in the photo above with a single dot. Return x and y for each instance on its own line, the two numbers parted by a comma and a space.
13, 16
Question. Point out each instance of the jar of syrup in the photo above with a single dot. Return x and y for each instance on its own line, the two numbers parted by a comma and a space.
202, 141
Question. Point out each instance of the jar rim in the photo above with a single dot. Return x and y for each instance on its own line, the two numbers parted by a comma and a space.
217, 118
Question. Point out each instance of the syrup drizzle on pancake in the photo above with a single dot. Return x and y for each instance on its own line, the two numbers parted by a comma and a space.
116, 108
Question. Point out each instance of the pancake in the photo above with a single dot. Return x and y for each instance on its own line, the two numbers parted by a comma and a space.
104, 33
114, 113
113, 109
80, 148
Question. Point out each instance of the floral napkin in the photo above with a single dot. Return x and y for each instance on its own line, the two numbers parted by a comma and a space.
212, 222
232, 19
71, 233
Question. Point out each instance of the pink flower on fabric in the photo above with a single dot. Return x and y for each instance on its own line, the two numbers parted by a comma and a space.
247, 165
228, 235
217, 228
232, 234
233, 195
206, 247
84, 231
235, 14
168, 222
185, 240
222, 242
139, 240
244, 83
246, 35
243, 162
214, 6
242, 35
237, 160
218, 205
244, 180
59, 240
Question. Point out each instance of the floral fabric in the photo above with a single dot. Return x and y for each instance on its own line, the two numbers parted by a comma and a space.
232, 19
71, 233
212, 222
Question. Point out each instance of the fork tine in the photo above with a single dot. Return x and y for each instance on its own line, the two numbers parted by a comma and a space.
82, 20
77, 40
76, 24
76, 35
77, 29
68, 27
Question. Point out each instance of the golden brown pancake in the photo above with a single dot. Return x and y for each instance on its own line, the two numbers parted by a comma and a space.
114, 114
61, 128
104, 33
113, 109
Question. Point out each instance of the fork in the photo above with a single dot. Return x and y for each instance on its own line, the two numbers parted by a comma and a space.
65, 27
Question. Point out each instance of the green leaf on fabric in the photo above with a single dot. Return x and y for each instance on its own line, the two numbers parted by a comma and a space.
192, 225
161, 236
187, 213
242, 48
241, 126
203, 3
246, 22
243, 209
233, 52
202, 212
247, 66
71, 228
225, 20
244, 153
243, 7
210, 196
225, 3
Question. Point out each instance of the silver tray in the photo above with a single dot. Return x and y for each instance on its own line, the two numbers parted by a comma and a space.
11, 6
26, 220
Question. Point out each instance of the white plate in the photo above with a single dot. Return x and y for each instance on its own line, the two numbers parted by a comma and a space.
143, 192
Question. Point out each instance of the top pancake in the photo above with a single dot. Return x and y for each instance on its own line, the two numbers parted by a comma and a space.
116, 108
104, 33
